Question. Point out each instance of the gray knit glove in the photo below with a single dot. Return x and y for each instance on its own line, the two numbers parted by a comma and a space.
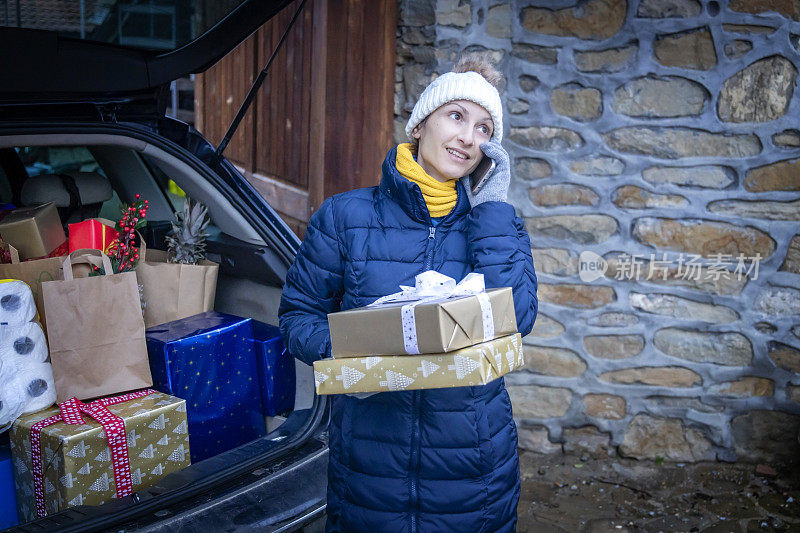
496, 189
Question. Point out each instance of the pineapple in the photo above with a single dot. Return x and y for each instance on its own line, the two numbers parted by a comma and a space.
187, 242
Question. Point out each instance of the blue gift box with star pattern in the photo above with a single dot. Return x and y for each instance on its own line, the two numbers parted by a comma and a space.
210, 361
275, 369
8, 501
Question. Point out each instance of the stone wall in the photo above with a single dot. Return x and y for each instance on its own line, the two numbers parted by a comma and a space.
661, 136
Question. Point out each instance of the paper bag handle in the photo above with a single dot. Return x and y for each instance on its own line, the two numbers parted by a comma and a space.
84, 252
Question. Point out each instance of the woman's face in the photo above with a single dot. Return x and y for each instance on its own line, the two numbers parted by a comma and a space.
450, 139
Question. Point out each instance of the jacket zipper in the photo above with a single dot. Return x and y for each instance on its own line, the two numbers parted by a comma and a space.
414, 460
429, 250
416, 400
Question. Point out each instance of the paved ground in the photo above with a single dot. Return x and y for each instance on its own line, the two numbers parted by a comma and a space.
574, 494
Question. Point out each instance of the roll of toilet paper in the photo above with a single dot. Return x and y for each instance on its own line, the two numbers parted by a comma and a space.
24, 341
12, 399
36, 385
16, 302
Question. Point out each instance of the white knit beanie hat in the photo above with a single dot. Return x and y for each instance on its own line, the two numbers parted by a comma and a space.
459, 86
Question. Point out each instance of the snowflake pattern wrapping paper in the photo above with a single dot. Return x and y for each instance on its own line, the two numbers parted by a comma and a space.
441, 325
474, 365
76, 459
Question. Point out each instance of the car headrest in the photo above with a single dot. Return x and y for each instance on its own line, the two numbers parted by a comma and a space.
93, 188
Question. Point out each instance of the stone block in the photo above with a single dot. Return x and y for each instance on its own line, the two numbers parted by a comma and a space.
649, 437
678, 142
577, 102
787, 8
528, 83
587, 440
453, 13
661, 376
518, 106
613, 320
546, 138
764, 209
536, 440
677, 307
791, 263
581, 229
660, 97
779, 176
693, 49
737, 48
760, 92
550, 361
704, 237
609, 60
531, 168
745, 386
562, 194
417, 13
706, 176
633, 197
554, 261
593, 19
701, 279
680, 402
786, 139
532, 401
784, 356
722, 348
605, 406
544, 328
777, 301
498, 21
750, 29
614, 346
598, 166
576, 295
540, 55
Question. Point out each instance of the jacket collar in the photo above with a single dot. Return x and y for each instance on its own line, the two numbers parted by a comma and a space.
408, 195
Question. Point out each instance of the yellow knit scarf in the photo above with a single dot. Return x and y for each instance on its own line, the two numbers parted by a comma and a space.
439, 197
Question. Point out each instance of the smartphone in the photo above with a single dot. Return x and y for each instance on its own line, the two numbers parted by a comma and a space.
481, 174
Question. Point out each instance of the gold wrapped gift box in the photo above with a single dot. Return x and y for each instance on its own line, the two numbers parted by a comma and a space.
442, 326
76, 459
474, 365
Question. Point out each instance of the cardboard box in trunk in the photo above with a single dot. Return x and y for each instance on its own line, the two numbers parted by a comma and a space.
34, 231
474, 365
441, 326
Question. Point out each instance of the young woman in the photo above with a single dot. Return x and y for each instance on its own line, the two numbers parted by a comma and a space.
426, 460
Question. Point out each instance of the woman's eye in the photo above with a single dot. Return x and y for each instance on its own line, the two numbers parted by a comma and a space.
455, 114
485, 130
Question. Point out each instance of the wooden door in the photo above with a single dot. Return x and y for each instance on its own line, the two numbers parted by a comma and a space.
322, 121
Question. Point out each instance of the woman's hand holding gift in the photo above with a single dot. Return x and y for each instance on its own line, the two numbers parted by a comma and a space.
496, 188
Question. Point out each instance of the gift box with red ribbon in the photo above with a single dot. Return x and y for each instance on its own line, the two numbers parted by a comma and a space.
88, 453
92, 234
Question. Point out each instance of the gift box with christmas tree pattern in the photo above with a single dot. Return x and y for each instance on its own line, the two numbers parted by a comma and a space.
474, 365
78, 460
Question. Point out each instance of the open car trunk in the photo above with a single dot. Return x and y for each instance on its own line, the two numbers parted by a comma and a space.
277, 481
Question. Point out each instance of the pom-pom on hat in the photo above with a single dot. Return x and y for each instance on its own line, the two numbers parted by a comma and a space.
451, 86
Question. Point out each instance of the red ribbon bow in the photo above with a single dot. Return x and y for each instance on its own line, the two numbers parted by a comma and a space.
114, 428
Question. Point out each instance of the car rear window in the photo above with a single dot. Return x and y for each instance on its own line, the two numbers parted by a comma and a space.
152, 25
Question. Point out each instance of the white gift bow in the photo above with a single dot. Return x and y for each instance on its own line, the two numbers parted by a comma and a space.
429, 286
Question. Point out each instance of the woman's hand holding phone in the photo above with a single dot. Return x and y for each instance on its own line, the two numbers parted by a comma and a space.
495, 187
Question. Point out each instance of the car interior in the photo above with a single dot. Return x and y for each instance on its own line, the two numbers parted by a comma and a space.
109, 169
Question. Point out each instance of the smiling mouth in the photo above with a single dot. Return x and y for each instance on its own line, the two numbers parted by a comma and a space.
458, 154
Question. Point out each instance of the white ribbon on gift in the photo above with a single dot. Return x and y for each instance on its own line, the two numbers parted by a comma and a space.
430, 286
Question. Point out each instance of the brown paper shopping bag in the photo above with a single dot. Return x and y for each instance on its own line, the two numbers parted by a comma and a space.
95, 331
34, 273
173, 290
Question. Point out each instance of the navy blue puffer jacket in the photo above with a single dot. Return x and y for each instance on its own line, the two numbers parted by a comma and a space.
408, 461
